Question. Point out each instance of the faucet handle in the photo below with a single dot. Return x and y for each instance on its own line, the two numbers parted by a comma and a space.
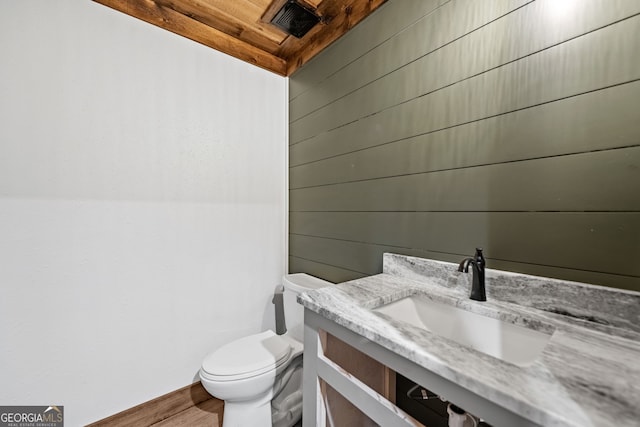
479, 258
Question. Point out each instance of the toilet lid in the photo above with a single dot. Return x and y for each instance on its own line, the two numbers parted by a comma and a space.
252, 355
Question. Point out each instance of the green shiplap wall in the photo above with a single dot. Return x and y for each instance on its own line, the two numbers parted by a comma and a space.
435, 126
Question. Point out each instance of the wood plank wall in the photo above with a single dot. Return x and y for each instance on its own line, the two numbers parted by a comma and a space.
437, 126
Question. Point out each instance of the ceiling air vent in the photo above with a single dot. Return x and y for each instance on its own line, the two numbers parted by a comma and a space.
295, 19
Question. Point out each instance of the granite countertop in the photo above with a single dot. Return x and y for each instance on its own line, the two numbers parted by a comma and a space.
587, 375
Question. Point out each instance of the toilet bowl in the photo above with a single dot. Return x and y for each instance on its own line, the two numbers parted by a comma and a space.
259, 376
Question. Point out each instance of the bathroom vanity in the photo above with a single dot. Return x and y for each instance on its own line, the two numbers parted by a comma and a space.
538, 352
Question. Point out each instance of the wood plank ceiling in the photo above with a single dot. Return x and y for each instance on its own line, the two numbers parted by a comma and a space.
241, 28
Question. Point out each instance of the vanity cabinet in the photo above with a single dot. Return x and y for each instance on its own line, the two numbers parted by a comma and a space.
349, 380
430, 411
371, 373
567, 367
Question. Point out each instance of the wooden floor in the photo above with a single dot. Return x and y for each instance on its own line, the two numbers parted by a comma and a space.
203, 414
189, 406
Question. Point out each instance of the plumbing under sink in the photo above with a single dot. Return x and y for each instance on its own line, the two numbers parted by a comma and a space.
506, 341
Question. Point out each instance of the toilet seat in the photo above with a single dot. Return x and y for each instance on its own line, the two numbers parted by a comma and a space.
247, 357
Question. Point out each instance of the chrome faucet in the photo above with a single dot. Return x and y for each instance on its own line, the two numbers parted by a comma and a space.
477, 264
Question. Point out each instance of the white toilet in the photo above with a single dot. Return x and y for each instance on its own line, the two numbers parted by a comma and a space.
259, 377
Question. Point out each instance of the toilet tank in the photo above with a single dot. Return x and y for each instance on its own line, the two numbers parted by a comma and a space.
295, 284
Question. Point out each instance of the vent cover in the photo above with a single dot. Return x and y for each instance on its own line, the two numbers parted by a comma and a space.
295, 19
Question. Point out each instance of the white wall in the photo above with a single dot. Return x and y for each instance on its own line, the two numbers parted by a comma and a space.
142, 206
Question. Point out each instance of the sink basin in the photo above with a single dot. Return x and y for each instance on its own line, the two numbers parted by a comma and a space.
512, 343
